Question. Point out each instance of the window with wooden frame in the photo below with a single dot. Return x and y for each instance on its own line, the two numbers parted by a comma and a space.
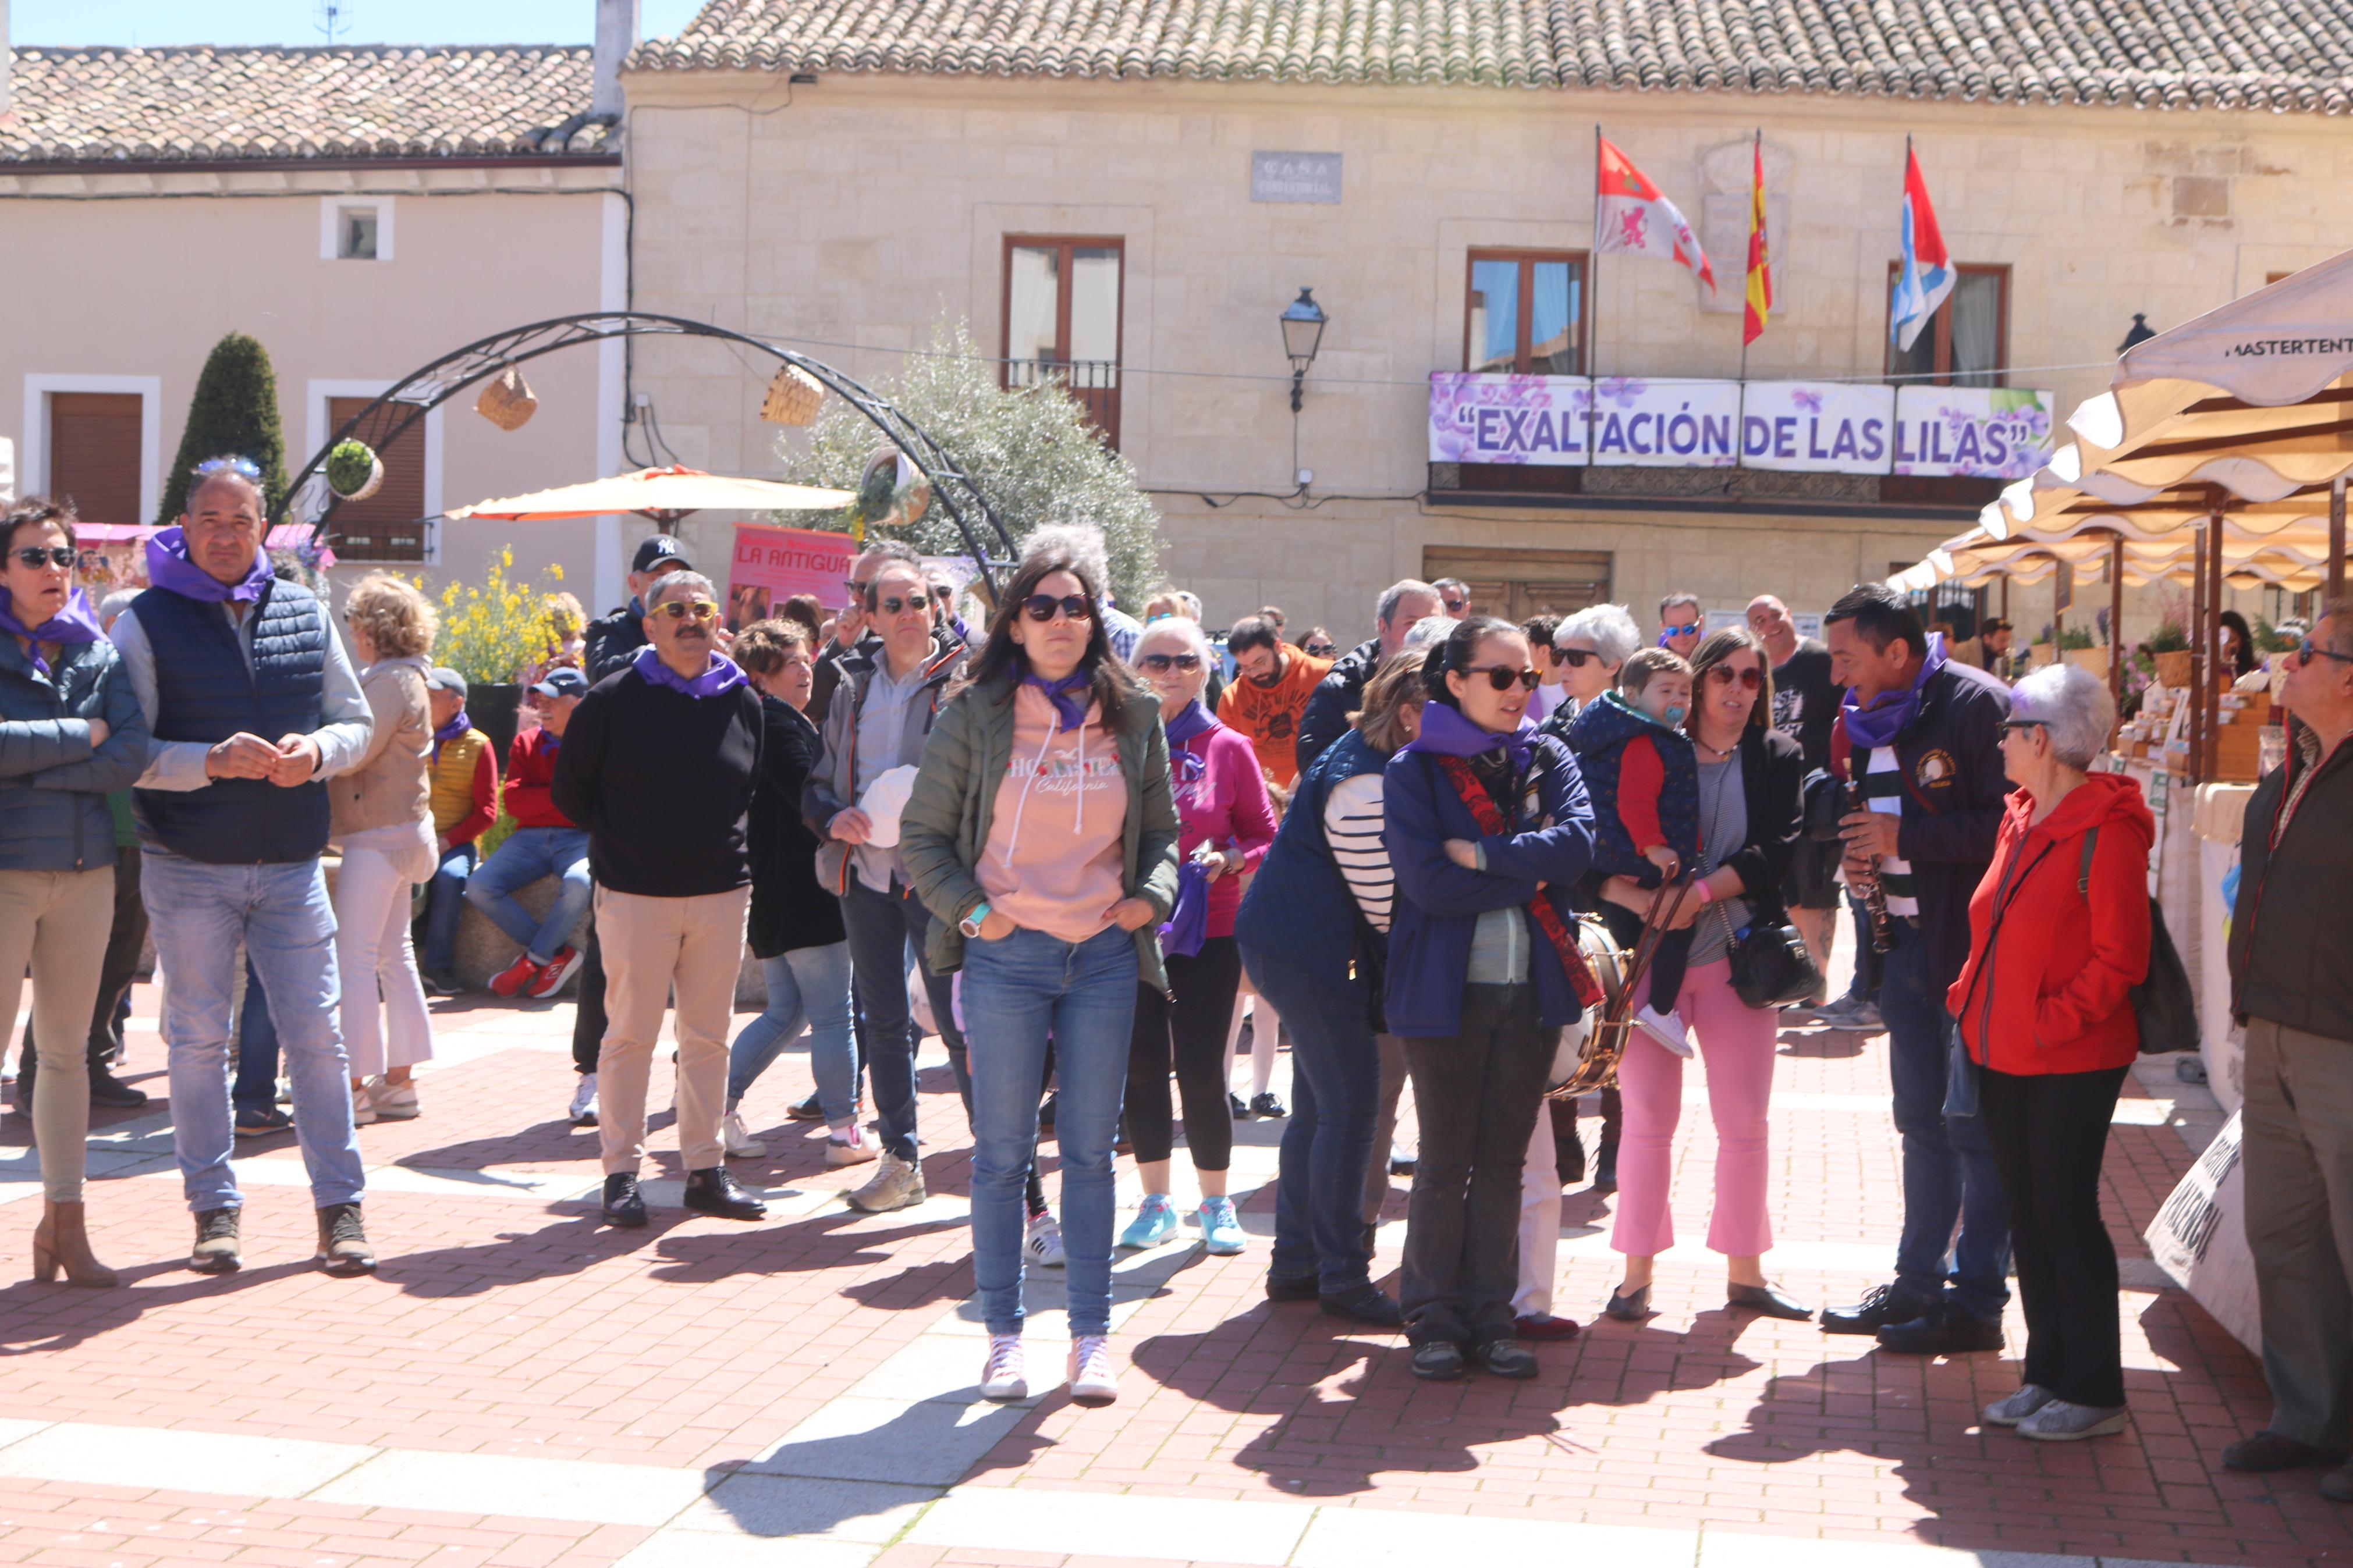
94, 454
1523, 313
390, 524
1062, 319
1967, 342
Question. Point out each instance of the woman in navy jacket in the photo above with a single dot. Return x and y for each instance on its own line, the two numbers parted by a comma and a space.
1487, 829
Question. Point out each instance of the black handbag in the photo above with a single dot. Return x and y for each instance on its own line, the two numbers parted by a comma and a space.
2163, 1003
1771, 966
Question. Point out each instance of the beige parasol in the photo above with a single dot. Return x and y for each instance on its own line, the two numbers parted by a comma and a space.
664, 495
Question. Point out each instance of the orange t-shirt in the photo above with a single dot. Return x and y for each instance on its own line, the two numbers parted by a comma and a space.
1269, 715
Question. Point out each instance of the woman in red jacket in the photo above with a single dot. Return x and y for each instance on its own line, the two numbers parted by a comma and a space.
2058, 937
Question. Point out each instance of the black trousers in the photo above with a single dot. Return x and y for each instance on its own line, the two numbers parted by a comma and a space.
1190, 1032
1475, 1095
2049, 1133
588, 1016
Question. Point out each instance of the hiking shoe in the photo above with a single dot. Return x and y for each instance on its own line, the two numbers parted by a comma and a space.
624, 1205
215, 1251
1154, 1222
1042, 1241
582, 1112
1221, 1228
556, 970
1504, 1358
343, 1248
738, 1140
2029, 1398
896, 1185
511, 980
1438, 1360
717, 1192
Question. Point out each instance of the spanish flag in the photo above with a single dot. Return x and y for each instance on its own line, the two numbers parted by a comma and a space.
1760, 263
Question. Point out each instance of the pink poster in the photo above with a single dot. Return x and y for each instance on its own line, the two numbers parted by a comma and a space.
771, 565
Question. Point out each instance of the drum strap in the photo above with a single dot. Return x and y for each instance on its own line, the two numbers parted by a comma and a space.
1490, 818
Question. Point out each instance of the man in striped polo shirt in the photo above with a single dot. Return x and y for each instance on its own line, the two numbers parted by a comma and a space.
1922, 738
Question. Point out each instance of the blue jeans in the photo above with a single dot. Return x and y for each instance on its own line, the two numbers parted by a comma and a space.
1328, 1145
445, 901
256, 1087
1948, 1164
882, 926
529, 854
280, 913
1018, 991
808, 986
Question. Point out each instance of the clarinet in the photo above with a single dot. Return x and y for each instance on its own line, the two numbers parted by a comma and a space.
1875, 897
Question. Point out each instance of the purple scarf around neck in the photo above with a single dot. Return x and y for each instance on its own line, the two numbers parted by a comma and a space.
168, 568
73, 623
1445, 733
1891, 713
450, 731
1071, 696
1187, 721
723, 674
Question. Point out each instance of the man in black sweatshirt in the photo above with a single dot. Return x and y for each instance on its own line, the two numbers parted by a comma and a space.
658, 765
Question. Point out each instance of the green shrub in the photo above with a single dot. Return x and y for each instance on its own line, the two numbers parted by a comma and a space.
233, 414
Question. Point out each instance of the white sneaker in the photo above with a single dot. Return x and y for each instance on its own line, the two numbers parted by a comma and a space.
1004, 1377
896, 1185
1041, 1242
1667, 1028
739, 1142
848, 1146
393, 1102
583, 1110
1092, 1379
363, 1107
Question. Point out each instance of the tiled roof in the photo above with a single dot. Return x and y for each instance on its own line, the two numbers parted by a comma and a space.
184, 105
2151, 54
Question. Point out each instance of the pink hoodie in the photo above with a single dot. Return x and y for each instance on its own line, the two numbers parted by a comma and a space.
1055, 849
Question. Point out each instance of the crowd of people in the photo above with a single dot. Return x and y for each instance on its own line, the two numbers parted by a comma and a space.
1079, 847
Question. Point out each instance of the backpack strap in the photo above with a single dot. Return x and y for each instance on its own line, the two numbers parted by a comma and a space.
2083, 870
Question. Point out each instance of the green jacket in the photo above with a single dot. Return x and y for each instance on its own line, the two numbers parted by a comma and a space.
945, 825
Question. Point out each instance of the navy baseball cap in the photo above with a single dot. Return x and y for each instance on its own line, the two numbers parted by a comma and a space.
564, 682
658, 551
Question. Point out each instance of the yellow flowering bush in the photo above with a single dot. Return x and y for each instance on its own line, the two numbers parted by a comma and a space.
490, 630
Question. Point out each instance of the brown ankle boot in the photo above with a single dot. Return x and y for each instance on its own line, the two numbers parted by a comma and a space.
63, 1238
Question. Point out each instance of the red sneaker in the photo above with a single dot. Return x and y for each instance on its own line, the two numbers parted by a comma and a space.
559, 969
515, 977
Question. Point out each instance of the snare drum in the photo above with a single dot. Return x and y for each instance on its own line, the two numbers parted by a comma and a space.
1569, 1061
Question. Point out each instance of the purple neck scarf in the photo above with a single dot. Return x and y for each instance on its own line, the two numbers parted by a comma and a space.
450, 731
723, 675
1891, 713
1189, 720
168, 568
1069, 695
1445, 733
73, 623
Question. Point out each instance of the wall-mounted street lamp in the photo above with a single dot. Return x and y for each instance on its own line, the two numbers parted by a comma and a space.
1302, 333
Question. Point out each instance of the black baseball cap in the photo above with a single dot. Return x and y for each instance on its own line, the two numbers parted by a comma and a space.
660, 549
562, 682
1992, 626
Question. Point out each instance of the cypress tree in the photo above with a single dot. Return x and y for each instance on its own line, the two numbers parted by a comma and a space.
233, 414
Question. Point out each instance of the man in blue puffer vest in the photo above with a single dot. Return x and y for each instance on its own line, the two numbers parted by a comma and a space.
231, 823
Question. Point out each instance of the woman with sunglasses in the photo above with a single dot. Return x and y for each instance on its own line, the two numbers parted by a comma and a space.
1041, 834
1488, 827
1748, 819
1228, 823
70, 730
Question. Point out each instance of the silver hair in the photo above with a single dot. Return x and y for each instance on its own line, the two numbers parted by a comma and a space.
2074, 708
1429, 630
1079, 541
1385, 607
666, 586
114, 604
1610, 629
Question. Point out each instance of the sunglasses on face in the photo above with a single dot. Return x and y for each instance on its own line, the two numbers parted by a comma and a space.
1320, 650
1162, 663
1500, 677
39, 555
1574, 658
1690, 631
1041, 606
679, 609
2305, 651
1748, 680
893, 604
1455, 606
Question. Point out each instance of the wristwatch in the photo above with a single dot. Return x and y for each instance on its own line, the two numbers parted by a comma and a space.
970, 924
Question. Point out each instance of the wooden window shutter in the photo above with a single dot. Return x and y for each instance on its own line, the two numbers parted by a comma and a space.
389, 525
94, 454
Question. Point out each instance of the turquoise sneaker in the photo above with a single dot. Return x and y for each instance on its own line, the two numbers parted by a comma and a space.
1221, 1229
1154, 1222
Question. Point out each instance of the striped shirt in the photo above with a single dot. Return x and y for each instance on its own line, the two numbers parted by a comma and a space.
1882, 791
1352, 826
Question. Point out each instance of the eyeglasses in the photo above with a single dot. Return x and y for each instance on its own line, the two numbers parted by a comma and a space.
1750, 679
2305, 650
1320, 650
679, 609
1454, 607
857, 590
893, 605
1161, 663
1500, 677
1574, 658
2011, 726
39, 555
1041, 606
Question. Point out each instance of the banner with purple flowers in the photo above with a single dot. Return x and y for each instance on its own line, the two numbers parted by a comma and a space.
1972, 432
1534, 419
1816, 427
1640, 422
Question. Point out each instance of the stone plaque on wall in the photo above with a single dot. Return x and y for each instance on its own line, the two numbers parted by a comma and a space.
1295, 177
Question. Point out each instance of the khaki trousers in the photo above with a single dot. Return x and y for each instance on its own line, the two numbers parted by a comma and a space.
654, 947
2298, 1132
56, 922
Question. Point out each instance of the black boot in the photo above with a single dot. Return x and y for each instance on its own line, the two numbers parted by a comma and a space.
105, 1089
1568, 1148
717, 1192
1604, 1159
624, 1206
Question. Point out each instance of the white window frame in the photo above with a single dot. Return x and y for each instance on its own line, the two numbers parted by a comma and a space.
319, 429
33, 464
328, 206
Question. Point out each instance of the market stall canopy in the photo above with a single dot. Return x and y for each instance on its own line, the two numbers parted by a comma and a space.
665, 495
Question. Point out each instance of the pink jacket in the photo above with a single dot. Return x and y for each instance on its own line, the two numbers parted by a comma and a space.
1225, 803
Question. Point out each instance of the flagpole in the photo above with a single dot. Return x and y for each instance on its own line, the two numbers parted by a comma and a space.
1593, 272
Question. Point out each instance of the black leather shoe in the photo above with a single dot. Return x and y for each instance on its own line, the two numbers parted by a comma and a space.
1440, 1361
810, 1109
1366, 1304
1504, 1358
623, 1205
2268, 1450
1632, 1307
1942, 1331
1769, 1299
717, 1192
1302, 1289
1881, 1305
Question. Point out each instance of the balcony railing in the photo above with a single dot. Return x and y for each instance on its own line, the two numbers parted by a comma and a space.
1093, 383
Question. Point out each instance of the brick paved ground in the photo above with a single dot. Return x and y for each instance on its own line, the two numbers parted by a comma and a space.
505, 1321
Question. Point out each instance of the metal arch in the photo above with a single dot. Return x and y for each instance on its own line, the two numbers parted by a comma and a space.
432, 384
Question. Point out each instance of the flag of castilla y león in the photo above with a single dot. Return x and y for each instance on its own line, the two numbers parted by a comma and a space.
1631, 218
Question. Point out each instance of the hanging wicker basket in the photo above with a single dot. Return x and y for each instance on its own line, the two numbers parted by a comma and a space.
793, 397
508, 401
344, 462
